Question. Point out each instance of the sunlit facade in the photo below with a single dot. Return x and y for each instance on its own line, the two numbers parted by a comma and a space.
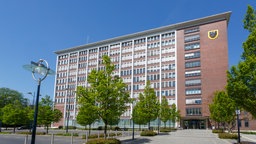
185, 62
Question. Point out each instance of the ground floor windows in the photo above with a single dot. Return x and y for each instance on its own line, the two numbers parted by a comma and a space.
194, 124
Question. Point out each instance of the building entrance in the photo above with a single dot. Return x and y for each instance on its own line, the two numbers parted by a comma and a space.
194, 124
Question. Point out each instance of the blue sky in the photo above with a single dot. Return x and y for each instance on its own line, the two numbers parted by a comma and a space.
33, 29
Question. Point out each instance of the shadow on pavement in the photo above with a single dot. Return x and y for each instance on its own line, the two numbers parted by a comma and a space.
136, 141
166, 133
246, 142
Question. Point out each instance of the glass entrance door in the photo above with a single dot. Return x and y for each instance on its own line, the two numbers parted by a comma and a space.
194, 124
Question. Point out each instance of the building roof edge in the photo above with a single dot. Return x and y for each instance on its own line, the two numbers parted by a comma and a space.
177, 26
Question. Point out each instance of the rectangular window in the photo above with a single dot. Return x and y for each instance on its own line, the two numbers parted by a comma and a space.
192, 46
192, 64
193, 82
192, 38
191, 30
196, 101
192, 55
193, 111
193, 73
193, 91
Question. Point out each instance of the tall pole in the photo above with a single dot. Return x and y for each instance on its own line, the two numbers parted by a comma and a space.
33, 137
132, 129
68, 98
38, 69
238, 126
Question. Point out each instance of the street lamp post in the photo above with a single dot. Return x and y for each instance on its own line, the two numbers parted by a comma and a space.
39, 73
238, 122
68, 98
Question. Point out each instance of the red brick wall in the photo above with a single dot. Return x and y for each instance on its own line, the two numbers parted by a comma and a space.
214, 64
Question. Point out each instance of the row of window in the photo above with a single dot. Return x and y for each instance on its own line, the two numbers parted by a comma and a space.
163, 84
104, 48
192, 55
195, 101
193, 91
193, 82
193, 73
193, 111
138, 78
191, 30
93, 50
192, 38
192, 64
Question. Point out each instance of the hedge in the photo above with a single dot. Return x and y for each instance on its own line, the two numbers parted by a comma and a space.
227, 136
104, 141
148, 133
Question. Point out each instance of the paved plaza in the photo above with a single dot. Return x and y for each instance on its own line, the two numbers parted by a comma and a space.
188, 137
179, 137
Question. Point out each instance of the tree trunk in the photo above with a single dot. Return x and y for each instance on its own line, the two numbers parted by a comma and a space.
164, 124
149, 125
105, 130
89, 129
14, 129
47, 129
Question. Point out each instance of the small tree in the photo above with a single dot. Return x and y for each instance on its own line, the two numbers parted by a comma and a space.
138, 115
175, 114
87, 115
222, 109
46, 113
165, 111
148, 104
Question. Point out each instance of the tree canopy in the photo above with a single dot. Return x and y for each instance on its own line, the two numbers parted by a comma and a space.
222, 109
165, 111
241, 85
148, 105
107, 93
46, 113
14, 114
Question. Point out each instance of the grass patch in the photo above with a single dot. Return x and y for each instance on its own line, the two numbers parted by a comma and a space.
5, 132
217, 131
253, 133
167, 129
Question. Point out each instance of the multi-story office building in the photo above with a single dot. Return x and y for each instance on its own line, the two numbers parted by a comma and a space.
185, 62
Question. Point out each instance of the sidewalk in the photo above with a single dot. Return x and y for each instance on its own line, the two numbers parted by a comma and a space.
185, 137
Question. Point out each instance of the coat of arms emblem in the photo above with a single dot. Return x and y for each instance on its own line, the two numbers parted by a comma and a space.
213, 34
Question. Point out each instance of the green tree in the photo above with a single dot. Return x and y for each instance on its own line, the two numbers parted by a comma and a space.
46, 113
222, 109
87, 115
148, 104
108, 92
165, 111
241, 86
14, 114
175, 114
138, 115
9, 96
